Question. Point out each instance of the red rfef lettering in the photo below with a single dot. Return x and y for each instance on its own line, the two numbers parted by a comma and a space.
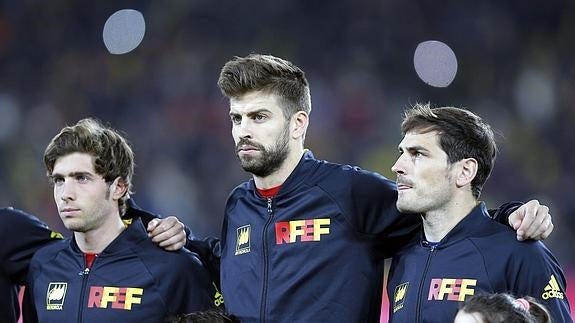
95, 296
282, 232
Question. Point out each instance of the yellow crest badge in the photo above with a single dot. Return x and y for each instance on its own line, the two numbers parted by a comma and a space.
243, 239
55, 295
399, 296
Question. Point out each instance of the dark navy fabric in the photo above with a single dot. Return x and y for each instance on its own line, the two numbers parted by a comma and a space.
22, 234
428, 283
132, 280
314, 252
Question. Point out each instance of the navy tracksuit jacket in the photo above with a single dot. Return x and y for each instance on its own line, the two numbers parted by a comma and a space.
132, 280
313, 253
428, 283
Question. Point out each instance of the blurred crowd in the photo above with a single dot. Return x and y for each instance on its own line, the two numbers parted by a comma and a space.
515, 69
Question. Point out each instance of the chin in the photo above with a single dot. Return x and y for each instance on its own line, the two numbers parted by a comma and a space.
76, 227
404, 208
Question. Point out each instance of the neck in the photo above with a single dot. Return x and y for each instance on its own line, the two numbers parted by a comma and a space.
96, 240
278, 177
438, 223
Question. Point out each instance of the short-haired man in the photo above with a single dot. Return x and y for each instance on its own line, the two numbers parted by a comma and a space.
109, 270
446, 156
305, 239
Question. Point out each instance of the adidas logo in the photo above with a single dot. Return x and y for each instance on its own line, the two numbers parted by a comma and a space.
552, 290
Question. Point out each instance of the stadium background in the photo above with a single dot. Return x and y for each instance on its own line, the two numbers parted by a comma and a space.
516, 69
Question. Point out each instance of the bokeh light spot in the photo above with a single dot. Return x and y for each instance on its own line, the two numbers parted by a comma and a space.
124, 31
435, 63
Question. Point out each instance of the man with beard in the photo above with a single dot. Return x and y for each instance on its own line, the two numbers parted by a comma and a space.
305, 239
446, 156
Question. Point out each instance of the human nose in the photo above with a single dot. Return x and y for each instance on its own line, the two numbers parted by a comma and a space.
66, 191
243, 129
398, 167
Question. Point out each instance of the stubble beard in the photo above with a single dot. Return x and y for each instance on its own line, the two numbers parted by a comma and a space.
270, 160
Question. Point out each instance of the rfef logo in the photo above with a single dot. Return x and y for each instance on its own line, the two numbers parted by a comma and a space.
116, 297
399, 296
306, 230
243, 239
451, 289
552, 290
55, 295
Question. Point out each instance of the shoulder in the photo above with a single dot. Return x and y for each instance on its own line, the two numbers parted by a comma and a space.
50, 251
240, 190
14, 220
340, 176
151, 254
501, 241
238, 193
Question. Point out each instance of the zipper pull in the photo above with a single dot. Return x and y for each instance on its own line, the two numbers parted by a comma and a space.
84, 272
269, 206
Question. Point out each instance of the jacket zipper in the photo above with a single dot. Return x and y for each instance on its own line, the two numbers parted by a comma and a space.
84, 273
266, 265
418, 306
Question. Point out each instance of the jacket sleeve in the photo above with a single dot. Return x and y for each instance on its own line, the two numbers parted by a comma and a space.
209, 252
191, 288
535, 272
22, 234
207, 249
368, 201
502, 213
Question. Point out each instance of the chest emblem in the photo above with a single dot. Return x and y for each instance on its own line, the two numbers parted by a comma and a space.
399, 296
55, 295
243, 239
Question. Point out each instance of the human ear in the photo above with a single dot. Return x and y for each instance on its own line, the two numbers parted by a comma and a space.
467, 171
118, 188
300, 121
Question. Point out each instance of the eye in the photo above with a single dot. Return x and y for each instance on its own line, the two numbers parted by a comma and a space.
236, 119
57, 180
81, 178
259, 117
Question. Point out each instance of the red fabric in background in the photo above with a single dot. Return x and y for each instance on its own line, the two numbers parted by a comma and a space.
20, 296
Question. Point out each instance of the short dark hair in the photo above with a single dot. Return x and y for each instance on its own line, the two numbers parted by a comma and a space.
502, 307
210, 316
270, 74
113, 156
462, 134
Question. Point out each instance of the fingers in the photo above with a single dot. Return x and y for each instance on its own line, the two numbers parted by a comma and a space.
168, 233
537, 227
532, 221
547, 232
523, 218
175, 242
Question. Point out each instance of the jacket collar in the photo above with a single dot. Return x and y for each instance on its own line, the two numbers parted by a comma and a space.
306, 164
474, 223
133, 234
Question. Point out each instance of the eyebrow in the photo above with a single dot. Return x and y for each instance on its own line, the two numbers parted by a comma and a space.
72, 174
414, 148
251, 113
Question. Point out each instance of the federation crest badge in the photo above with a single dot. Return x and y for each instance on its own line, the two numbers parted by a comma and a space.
243, 239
